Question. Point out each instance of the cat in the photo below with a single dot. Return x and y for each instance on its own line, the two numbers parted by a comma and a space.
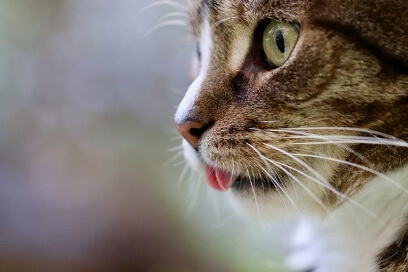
300, 109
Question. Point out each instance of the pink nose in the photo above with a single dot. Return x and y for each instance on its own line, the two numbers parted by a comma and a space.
191, 131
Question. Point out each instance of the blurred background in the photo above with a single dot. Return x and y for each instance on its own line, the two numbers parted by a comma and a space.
91, 176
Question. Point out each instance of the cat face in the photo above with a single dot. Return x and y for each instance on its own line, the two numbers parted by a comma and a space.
310, 127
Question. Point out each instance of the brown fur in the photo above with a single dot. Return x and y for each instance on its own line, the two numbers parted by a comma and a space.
394, 258
349, 69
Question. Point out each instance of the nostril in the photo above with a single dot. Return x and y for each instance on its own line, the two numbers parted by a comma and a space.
192, 131
196, 132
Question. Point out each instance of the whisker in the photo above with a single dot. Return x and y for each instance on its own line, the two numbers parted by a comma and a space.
224, 222
308, 167
275, 182
244, 3
194, 196
191, 183
341, 145
174, 149
183, 174
165, 24
255, 198
179, 163
368, 131
335, 191
344, 138
172, 4
323, 137
232, 171
223, 21
325, 183
279, 187
177, 92
313, 195
327, 186
173, 14
173, 158
379, 174
388, 143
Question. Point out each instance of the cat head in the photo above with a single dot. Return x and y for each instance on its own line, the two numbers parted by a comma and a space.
295, 101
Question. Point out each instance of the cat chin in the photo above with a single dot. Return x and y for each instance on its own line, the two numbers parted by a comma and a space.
264, 207
273, 205
267, 204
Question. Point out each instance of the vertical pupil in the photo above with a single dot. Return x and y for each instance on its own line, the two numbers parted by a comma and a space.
280, 41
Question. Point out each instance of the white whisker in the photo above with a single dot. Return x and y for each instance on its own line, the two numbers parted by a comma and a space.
225, 221
268, 122
308, 167
335, 191
255, 198
172, 4
339, 144
174, 158
183, 174
327, 186
270, 170
379, 174
368, 131
165, 24
223, 20
279, 187
273, 180
323, 137
313, 195
343, 138
183, 161
191, 183
194, 196
174, 149
178, 92
172, 14
346, 141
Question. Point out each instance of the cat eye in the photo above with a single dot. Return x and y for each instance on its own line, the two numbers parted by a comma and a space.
279, 40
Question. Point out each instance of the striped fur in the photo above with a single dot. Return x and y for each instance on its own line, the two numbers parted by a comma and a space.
348, 76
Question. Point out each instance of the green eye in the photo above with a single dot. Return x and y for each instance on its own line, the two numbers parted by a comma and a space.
279, 40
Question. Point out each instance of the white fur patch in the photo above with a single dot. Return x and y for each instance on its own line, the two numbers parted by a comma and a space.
349, 239
191, 156
187, 103
240, 47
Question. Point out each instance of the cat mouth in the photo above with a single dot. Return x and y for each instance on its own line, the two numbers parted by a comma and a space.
219, 179
223, 181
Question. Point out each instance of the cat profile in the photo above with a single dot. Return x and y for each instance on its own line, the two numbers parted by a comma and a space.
301, 107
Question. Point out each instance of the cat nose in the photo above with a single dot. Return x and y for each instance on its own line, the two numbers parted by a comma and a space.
192, 131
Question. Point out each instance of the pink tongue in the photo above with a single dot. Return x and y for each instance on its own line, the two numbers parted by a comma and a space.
218, 179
